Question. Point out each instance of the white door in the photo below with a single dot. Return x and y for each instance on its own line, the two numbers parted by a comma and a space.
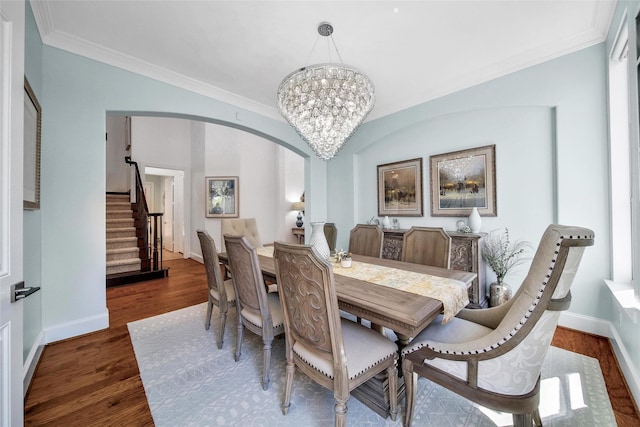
178, 212
167, 217
11, 199
149, 196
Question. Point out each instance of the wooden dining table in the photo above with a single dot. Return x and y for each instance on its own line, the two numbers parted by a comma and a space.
405, 313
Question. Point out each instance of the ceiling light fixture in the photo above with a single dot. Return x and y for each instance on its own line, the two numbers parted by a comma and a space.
325, 103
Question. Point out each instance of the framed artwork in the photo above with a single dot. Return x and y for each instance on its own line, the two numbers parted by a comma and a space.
464, 179
400, 188
32, 133
222, 196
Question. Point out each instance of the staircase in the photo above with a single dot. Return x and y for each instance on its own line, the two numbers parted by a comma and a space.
123, 254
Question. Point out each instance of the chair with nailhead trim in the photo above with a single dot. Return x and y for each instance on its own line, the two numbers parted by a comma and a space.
336, 353
493, 357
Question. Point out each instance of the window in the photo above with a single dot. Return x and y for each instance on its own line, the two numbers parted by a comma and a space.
624, 125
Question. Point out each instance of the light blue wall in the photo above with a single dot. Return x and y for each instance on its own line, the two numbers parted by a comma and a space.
77, 93
549, 126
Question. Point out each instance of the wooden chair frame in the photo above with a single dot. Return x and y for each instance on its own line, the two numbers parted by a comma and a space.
427, 246
215, 283
365, 239
251, 298
312, 321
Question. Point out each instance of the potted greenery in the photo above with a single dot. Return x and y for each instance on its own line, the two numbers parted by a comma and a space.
502, 255
344, 258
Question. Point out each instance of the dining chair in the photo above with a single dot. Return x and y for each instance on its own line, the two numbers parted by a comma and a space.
221, 292
366, 240
258, 311
335, 353
247, 227
331, 233
427, 246
493, 357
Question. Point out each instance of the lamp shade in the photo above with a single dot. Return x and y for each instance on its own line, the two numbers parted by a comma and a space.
297, 206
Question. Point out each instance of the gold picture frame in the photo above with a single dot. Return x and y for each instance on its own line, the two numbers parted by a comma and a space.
464, 179
400, 188
32, 146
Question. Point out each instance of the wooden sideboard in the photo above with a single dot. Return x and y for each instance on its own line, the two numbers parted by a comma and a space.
465, 256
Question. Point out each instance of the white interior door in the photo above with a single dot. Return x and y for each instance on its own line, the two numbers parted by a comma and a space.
178, 217
11, 200
150, 196
167, 217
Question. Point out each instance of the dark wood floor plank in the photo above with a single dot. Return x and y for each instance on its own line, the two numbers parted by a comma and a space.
94, 379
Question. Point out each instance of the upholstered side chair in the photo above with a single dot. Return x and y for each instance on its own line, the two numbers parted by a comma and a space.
331, 233
258, 311
221, 292
336, 353
366, 240
493, 357
427, 246
247, 227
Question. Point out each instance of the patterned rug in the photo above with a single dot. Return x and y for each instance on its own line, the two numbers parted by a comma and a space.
189, 382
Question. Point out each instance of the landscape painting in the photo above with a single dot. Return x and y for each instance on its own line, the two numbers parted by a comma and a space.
462, 180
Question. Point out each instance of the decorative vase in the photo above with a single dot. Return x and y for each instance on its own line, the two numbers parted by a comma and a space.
318, 239
299, 222
475, 221
345, 262
386, 223
499, 293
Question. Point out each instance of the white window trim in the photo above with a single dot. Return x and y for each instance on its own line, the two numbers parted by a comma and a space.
623, 148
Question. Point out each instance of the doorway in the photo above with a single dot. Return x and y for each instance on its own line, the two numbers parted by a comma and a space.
166, 196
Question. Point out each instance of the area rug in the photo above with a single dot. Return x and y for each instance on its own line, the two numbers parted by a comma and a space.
189, 382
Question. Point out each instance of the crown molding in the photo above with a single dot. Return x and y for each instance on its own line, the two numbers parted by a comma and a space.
64, 41
523, 60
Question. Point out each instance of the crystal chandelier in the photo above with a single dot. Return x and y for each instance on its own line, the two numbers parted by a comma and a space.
325, 103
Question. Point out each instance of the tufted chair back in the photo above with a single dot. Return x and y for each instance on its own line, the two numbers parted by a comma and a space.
494, 357
242, 227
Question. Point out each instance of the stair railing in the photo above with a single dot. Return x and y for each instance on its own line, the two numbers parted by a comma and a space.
148, 226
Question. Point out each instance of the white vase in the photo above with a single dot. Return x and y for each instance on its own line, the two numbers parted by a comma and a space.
319, 240
475, 221
386, 223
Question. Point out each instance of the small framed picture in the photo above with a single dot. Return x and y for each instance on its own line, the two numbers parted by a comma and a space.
400, 188
464, 179
222, 197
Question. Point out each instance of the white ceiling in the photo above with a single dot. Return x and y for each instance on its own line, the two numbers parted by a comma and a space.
239, 51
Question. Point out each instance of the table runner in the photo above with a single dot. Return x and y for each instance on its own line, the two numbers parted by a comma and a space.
452, 293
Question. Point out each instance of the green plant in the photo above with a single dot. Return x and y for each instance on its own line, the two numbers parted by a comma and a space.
501, 254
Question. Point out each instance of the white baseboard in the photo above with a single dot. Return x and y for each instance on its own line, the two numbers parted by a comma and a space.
77, 327
606, 329
197, 257
587, 324
29, 366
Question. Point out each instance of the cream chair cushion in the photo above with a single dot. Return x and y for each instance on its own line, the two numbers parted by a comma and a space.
277, 317
363, 347
228, 286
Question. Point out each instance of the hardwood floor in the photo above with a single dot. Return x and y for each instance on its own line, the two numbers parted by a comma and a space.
93, 380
